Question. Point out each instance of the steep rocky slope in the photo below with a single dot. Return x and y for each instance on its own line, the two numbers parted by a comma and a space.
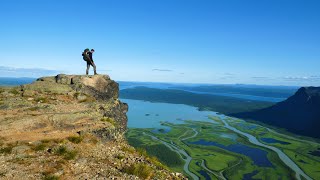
300, 113
69, 127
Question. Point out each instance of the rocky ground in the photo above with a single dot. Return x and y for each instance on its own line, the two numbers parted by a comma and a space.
70, 127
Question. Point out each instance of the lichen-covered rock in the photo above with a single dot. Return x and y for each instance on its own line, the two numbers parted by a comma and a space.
85, 88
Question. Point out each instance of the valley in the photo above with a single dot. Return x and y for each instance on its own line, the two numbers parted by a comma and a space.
212, 150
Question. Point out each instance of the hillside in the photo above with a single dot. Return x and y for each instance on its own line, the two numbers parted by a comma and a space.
222, 104
253, 90
69, 127
299, 114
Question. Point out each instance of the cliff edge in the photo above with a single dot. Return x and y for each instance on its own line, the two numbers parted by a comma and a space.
69, 127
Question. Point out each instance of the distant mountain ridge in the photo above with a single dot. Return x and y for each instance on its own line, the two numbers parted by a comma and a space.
299, 114
221, 104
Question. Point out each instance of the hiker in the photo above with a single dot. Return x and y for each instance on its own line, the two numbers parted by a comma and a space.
87, 56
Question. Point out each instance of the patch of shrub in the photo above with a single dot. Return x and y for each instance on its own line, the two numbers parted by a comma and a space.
14, 91
141, 170
119, 156
67, 154
40, 147
47, 176
154, 160
61, 150
128, 149
75, 139
142, 151
109, 120
6, 150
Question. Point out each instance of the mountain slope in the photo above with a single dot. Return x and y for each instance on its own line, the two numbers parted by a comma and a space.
69, 127
299, 114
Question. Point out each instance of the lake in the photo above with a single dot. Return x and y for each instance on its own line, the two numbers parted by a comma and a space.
258, 156
272, 140
143, 114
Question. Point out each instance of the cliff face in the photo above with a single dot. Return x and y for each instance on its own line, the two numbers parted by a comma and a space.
69, 127
300, 113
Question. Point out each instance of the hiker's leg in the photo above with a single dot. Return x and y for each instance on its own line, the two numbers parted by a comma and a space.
88, 66
94, 68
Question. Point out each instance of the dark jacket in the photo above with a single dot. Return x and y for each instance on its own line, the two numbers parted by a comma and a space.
90, 55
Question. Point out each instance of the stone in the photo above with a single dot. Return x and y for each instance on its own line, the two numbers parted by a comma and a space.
63, 79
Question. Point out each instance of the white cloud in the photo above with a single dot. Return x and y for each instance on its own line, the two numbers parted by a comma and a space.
163, 70
26, 72
302, 78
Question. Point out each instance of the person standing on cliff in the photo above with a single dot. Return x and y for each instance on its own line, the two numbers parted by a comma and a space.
87, 56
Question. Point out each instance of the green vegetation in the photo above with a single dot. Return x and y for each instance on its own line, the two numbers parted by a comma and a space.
165, 155
222, 104
141, 170
298, 148
128, 149
220, 161
6, 150
75, 139
41, 99
50, 177
109, 120
14, 91
119, 156
154, 149
40, 147
67, 154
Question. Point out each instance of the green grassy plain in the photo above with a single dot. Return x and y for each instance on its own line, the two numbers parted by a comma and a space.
219, 161
298, 150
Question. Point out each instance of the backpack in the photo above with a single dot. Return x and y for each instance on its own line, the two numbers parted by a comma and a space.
85, 55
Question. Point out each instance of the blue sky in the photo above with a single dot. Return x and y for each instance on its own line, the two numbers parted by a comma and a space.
274, 42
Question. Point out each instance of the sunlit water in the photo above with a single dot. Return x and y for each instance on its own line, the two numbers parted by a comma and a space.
143, 114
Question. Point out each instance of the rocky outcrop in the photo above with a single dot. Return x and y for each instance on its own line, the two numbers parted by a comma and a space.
69, 127
99, 87
299, 113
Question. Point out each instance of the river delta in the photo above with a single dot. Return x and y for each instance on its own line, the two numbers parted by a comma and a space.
208, 145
